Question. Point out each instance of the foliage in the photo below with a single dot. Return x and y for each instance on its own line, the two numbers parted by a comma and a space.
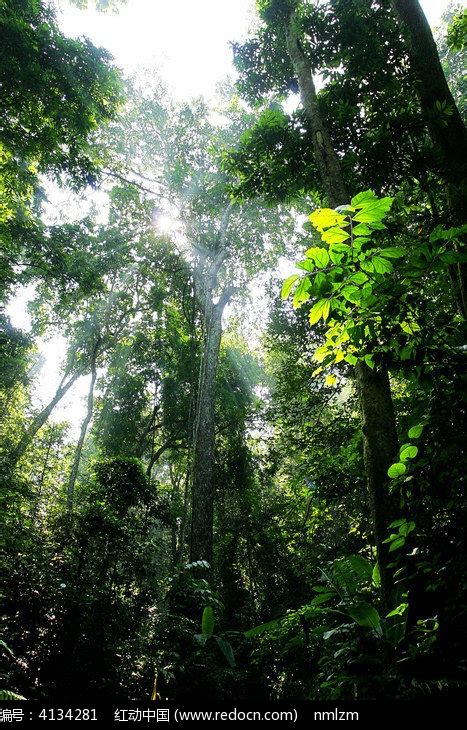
174, 208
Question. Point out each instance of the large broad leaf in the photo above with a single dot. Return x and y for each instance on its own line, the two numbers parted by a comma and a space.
262, 628
306, 265
287, 286
394, 252
320, 309
319, 255
362, 230
207, 621
335, 235
371, 209
365, 615
226, 649
302, 292
381, 266
322, 598
325, 218
360, 565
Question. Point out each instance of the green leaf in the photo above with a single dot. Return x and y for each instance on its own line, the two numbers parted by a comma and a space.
330, 380
364, 197
376, 576
226, 649
320, 309
398, 523
365, 615
416, 431
408, 452
287, 286
262, 628
360, 565
398, 611
396, 544
322, 598
352, 293
319, 255
335, 235
359, 277
302, 293
361, 229
325, 218
306, 265
207, 621
6, 695
396, 470
381, 266
371, 208
407, 528
394, 252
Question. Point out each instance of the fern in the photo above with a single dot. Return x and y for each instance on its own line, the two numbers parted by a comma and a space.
7, 694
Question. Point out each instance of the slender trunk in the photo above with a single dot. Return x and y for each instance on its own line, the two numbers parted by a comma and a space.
443, 118
380, 447
204, 437
41, 418
183, 523
175, 531
378, 419
156, 454
43, 473
82, 435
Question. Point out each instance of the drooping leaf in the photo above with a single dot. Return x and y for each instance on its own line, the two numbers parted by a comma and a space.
319, 310
361, 565
262, 629
319, 255
393, 252
207, 621
364, 614
302, 293
287, 286
381, 265
226, 649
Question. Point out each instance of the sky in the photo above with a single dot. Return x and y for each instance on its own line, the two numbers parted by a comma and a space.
188, 40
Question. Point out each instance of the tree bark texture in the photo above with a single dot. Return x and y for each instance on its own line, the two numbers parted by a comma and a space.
447, 131
445, 124
204, 439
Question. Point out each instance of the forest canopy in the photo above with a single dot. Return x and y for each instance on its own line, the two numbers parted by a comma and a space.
232, 361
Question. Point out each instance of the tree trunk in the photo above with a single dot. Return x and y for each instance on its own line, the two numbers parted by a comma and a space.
204, 437
378, 421
82, 435
446, 128
41, 418
380, 447
447, 131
